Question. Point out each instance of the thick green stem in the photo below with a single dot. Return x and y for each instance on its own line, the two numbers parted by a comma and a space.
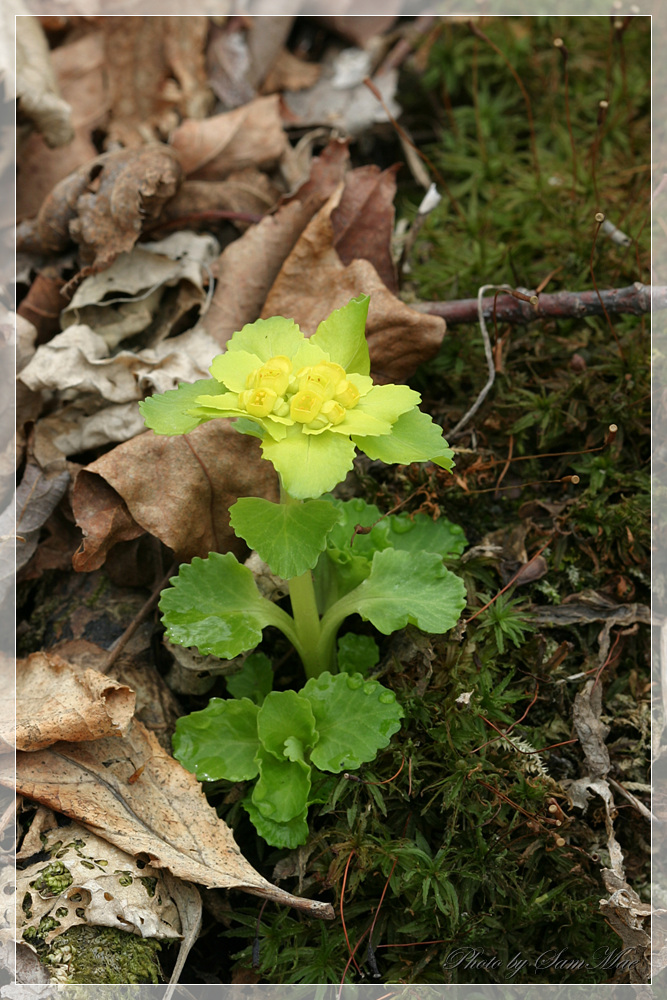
306, 617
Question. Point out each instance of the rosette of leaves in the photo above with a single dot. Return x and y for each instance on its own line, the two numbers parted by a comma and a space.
332, 724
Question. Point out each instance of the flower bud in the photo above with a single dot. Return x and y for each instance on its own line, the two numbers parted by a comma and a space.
275, 375
258, 402
347, 394
305, 406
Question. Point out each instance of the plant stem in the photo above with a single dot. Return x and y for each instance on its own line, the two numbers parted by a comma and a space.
306, 616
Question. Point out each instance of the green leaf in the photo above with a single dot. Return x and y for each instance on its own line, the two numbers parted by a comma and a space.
167, 412
357, 653
290, 835
233, 367
220, 741
414, 438
407, 587
385, 403
419, 533
254, 680
351, 513
285, 714
283, 787
267, 338
343, 336
310, 464
214, 605
355, 718
289, 537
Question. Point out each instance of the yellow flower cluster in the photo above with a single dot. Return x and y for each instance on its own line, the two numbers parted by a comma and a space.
316, 395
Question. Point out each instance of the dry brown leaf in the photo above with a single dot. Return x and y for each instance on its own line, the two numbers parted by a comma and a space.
246, 191
248, 267
57, 701
290, 73
200, 475
591, 731
249, 136
363, 220
155, 705
36, 498
161, 816
313, 282
43, 304
104, 519
156, 70
103, 205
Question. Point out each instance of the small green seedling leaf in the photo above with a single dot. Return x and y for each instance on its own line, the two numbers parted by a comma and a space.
289, 537
290, 835
167, 412
357, 654
254, 680
220, 741
214, 605
418, 533
282, 790
354, 717
407, 588
285, 715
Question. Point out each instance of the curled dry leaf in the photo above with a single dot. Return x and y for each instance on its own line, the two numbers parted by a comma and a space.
313, 281
36, 498
249, 136
161, 816
200, 475
245, 192
59, 701
591, 731
156, 71
78, 359
248, 267
82, 426
290, 73
104, 204
104, 519
43, 303
89, 881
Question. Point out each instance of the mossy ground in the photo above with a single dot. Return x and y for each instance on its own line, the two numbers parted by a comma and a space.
453, 839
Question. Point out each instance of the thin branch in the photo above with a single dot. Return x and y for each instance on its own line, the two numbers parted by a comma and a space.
635, 299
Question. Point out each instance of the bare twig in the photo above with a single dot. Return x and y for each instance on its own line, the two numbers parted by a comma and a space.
635, 299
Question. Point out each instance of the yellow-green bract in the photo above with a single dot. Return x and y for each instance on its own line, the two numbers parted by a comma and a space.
310, 400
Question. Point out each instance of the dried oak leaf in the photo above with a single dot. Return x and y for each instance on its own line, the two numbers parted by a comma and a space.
104, 205
363, 220
176, 488
56, 700
248, 267
313, 281
249, 136
162, 815
156, 72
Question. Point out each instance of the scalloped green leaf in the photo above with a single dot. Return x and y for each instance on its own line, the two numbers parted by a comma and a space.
291, 834
342, 335
310, 464
408, 588
357, 654
267, 338
167, 412
414, 438
220, 741
282, 789
254, 680
233, 367
354, 717
289, 537
419, 533
215, 606
285, 714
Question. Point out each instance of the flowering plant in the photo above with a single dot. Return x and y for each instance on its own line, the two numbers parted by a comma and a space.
312, 403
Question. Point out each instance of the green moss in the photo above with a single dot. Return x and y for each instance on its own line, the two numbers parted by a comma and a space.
86, 954
52, 880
